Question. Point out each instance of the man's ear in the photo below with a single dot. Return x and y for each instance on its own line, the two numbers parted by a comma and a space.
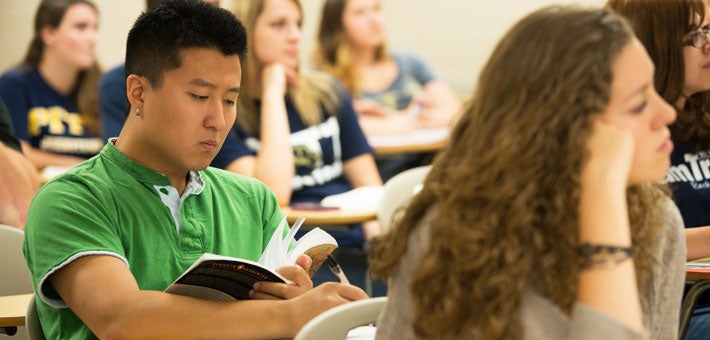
135, 88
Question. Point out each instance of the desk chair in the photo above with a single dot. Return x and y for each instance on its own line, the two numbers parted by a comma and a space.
397, 192
16, 276
336, 322
34, 328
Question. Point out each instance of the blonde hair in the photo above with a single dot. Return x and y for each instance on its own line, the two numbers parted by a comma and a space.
315, 95
506, 187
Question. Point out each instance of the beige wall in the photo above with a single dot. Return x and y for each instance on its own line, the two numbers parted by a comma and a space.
454, 36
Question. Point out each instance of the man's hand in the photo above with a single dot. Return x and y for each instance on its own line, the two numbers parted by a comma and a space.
297, 273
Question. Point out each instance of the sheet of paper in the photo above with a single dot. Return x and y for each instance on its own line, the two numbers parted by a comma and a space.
416, 137
362, 333
366, 198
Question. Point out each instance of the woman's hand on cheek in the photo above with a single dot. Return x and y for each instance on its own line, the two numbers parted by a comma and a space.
610, 154
273, 79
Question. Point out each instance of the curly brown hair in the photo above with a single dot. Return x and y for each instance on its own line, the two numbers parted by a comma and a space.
506, 187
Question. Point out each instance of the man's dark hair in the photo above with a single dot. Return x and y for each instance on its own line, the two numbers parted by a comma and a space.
158, 36
150, 4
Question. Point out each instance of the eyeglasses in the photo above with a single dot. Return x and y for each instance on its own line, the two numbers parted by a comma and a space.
697, 38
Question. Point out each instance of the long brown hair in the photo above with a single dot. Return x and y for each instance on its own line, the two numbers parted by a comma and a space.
314, 96
50, 13
506, 187
661, 25
332, 50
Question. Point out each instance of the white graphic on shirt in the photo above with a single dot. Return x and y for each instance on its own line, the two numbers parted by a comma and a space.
695, 170
308, 153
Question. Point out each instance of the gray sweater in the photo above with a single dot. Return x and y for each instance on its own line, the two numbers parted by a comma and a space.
541, 319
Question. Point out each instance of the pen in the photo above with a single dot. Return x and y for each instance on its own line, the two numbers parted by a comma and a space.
335, 268
414, 112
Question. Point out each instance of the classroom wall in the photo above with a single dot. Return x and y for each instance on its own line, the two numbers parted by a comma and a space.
454, 36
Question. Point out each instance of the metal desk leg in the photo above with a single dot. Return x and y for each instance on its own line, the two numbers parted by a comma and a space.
689, 304
11, 330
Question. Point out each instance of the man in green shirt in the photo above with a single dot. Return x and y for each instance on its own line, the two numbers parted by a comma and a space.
106, 238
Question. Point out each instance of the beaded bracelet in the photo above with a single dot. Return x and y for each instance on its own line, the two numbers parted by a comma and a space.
602, 256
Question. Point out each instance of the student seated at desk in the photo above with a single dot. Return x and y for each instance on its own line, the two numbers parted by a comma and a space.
542, 218
681, 53
52, 96
106, 238
296, 131
395, 92
18, 177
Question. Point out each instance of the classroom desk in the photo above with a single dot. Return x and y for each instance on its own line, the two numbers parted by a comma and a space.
700, 280
422, 140
51, 171
13, 309
325, 218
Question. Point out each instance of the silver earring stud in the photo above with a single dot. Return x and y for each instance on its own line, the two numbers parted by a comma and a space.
138, 111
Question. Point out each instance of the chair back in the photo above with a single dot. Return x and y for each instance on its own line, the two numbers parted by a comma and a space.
336, 322
34, 328
397, 192
16, 276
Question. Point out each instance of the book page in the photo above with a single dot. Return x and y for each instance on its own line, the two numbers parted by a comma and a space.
275, 253
317, 244
201, 292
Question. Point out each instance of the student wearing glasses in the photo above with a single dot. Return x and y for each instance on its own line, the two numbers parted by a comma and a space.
681, 53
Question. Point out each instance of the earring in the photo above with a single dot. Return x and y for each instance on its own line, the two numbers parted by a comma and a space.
138, 111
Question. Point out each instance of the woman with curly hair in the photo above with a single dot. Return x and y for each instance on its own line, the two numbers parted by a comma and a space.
681, 53
52, 96
542, 218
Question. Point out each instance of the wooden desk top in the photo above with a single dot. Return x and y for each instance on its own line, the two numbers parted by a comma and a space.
323, 218
697, 273
386, 150
425, 140
13, 309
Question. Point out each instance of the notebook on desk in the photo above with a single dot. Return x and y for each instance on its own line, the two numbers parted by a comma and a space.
703, 263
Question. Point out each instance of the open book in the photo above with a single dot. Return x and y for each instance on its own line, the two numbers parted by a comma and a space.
224, 278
